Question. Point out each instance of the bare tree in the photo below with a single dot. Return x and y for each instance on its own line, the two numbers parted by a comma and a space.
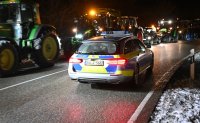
61, 13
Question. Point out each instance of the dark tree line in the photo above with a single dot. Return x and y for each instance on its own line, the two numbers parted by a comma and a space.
60, 13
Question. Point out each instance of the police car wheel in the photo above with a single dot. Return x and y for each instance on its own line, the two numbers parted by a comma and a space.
158, 41
152, 64
151, 42
151, 67
136, 76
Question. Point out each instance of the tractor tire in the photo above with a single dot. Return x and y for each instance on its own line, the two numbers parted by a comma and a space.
48, 51
9, 59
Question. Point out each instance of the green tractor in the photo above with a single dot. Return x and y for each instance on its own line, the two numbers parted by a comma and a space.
24, 38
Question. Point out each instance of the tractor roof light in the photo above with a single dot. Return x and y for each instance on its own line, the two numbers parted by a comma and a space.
74, 30
170, 22
100, 29
162, 22
92, 13
79, 36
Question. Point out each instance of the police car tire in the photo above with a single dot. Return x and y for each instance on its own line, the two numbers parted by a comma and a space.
157, 41
152, 64
151, 67
136, 76
151, 42
7, 45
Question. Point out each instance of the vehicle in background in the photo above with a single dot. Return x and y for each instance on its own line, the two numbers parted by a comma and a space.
89, 24
168, 30
150, 36
98, 21
189, 29
23, 38
129, 25
168, 36
110, 59
93, 22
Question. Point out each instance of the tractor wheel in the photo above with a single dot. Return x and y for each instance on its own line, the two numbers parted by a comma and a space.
8, 59
48, 51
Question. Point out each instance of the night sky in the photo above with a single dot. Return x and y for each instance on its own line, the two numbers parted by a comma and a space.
61, 12
149, 11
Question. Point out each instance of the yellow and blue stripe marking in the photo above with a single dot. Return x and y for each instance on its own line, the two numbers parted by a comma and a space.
106, 69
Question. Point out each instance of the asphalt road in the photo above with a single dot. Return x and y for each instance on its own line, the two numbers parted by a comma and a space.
49, 96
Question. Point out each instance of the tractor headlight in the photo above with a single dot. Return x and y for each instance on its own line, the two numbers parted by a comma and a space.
74, 30
100, 29
149, 38
79, 36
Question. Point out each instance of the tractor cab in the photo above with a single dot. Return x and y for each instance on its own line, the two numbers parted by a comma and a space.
17, 18
23, 38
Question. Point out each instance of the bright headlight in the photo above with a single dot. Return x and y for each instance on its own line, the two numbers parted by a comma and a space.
101, 29
74, 30
148, 37
79, 36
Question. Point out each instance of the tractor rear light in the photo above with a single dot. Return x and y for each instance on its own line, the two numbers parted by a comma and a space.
75, 60
117, 61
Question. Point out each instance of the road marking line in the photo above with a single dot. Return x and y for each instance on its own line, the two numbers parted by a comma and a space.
140, 108
31, 80
62, 64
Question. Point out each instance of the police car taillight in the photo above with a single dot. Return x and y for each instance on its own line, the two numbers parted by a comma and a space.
117, 61
75, 60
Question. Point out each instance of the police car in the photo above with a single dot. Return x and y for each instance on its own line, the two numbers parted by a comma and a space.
110, 59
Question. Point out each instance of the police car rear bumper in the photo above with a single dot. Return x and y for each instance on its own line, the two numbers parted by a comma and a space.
99, 78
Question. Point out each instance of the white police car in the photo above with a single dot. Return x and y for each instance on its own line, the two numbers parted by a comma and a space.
110, 59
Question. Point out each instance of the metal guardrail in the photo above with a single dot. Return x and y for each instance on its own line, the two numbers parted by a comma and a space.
156, 92
192, 63
166, 77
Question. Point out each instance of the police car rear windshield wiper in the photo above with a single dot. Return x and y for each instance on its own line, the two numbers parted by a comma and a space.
85, 52
81, 52
94, 53
99, 53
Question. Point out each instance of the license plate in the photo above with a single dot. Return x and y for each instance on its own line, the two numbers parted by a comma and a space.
94, 62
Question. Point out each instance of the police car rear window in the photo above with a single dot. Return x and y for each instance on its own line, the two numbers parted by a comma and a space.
98, 48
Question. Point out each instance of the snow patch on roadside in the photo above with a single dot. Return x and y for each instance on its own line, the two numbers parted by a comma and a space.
178, 106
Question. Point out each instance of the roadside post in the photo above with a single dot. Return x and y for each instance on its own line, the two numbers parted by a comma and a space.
192, 65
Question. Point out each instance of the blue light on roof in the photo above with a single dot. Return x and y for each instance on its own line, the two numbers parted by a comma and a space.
116, 33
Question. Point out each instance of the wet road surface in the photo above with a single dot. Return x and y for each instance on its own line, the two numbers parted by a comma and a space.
48, 95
